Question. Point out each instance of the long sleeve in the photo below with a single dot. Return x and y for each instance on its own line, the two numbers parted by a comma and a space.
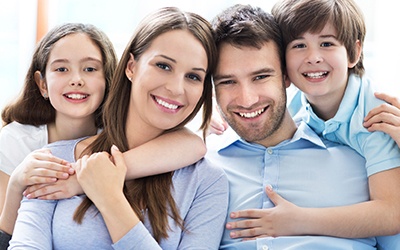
33, 226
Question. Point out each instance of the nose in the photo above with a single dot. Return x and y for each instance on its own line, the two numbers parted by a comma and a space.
76, 80
247, 95
313, 56
175, 85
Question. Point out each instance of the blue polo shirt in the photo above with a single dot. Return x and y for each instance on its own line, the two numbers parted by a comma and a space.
306, 170
379, 149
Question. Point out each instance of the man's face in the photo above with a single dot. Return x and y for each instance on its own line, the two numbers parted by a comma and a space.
250, 90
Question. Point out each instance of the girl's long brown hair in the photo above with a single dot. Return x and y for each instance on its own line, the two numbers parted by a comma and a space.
152, 193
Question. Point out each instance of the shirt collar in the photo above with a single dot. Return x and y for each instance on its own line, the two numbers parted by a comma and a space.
230, 137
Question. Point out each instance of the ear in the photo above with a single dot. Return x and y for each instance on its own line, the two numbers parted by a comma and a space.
358, 49
41, 83
287, 81
130, 67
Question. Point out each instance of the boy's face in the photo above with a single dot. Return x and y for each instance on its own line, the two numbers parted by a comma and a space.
318, 65
250, 90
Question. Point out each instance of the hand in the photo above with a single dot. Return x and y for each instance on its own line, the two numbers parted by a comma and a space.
386, 117
101, 176
61, 189
217, 125
257, 223
40, 167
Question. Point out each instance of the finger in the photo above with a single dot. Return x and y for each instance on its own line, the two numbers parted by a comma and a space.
388, 98
383, 118
250, 232
47, 173
248, 213
272, 195
253, 238
118, 158
382, 109
243, 224
37, 191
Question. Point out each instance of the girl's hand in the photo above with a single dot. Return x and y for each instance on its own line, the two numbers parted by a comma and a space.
101, 176
386, 117
61, 189
40, 167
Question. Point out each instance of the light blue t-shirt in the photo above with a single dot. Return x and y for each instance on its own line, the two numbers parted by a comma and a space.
306, 170
200, 192
379, 149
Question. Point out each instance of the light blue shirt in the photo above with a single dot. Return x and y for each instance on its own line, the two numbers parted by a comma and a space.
200, 192
306, 170
379, 149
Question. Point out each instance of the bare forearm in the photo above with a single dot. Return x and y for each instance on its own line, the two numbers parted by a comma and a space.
368, 219
165, 153
10, 209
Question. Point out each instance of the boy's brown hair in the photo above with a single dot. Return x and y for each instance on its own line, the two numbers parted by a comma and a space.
295, 17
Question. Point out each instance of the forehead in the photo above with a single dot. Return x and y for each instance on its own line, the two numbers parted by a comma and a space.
235, 60
77, 44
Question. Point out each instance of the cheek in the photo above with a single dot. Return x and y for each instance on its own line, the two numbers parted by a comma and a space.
194, 94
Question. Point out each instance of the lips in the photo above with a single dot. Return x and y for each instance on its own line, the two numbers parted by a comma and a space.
252, 114
316, 75
166, 104
76, 96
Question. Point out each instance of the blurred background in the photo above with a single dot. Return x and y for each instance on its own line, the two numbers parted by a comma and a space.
23, 22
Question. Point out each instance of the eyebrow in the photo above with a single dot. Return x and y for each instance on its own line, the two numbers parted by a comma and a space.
257, 72
174, 61
82, 60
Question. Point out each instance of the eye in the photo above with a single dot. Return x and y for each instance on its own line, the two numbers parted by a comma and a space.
260, 77
163, 66
298, 46
194, 77
90, 69
61, 69
226, 82
326, 44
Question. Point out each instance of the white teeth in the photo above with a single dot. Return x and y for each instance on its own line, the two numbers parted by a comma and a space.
315, 75
252, 114
76, 96
166, 104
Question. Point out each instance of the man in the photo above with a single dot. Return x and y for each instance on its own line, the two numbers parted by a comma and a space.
270, 151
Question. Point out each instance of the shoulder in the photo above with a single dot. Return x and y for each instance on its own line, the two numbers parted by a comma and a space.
22, 130
64, 149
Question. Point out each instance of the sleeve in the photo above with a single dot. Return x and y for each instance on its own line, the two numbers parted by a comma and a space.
388, 242
4, 240
33, 226
204, 223
137, 238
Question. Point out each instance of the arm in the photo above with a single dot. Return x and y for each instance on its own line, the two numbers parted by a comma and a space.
165, 153
33, 227
386, 117
39, 166
379, 216
3, 187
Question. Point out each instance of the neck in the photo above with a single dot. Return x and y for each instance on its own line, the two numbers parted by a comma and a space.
72, 129
284, 132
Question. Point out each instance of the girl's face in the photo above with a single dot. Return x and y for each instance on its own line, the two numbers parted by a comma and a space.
318, 65
75, 81
167, 81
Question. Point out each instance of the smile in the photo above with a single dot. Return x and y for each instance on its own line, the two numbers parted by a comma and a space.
76, 96
316, 74
166, 104
252, 114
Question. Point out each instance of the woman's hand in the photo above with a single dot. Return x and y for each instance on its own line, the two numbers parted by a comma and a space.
386, 117
102, 176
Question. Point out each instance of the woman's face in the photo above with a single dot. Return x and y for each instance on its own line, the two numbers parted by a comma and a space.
167, 81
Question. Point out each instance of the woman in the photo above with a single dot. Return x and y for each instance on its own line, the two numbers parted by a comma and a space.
161, 82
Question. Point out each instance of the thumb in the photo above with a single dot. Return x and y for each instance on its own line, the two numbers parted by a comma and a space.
272, 195
117, 156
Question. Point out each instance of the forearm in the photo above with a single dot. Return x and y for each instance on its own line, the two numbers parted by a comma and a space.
165, 153
10, 209
4, 178
118, 216
367, 219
